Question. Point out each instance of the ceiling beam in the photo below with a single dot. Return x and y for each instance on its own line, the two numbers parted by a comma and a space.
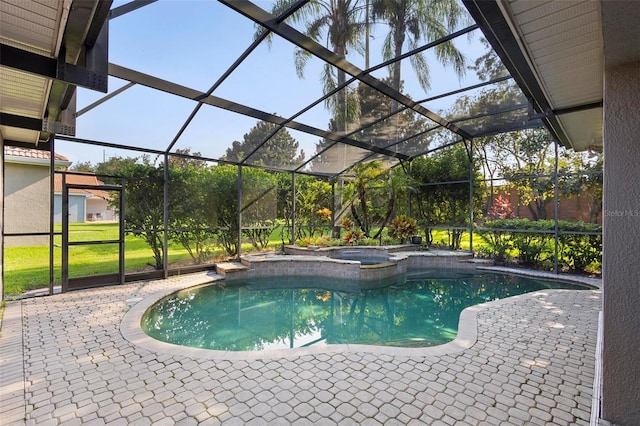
43, 66
195, 95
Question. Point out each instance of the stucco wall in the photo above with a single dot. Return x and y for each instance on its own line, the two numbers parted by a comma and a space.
26, 203
621, 251
99, 208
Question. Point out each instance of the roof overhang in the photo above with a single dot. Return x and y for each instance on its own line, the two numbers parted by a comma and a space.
554, 51
46, 50
45, 162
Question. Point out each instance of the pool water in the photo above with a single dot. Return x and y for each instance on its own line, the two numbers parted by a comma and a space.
419, 309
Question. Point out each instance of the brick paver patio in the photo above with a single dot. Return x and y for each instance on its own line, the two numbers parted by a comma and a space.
64, 360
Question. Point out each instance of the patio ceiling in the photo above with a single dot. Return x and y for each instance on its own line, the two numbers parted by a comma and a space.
38, 83
44, 49
554, 51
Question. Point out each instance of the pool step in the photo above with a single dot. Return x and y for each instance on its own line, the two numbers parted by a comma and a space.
229, 267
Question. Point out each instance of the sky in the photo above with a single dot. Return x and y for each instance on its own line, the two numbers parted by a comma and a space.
192, 43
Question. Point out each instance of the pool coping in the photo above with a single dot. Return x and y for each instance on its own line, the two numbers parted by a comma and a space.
467, 336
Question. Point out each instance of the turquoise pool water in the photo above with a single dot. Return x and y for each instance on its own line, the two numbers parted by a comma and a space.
419, 309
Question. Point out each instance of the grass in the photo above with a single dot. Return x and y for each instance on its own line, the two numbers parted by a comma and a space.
27, 268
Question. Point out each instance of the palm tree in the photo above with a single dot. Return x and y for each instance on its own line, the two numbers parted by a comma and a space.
339, 21
413, 22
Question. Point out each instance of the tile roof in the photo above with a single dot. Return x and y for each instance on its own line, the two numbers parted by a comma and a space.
31, 153
81, 179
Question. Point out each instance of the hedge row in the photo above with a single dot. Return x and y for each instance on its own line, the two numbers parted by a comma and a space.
531, 243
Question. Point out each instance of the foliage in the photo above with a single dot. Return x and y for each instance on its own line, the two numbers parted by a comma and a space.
115, 165
340, 24
439, 202
372, 195
83, 166
284, 204
411, 23
581, 175
189, 219
402, 228
259, 205
220, 189
353, 237
277, 148
183, 157
579, 251
144, 200
324, 214
317, 241
347, 224
500, 209
530, 243
312, 196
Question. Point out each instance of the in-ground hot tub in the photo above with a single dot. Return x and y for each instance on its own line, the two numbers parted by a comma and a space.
365, 257
357, 262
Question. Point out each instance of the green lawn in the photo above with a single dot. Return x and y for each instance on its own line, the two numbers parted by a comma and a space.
27, 268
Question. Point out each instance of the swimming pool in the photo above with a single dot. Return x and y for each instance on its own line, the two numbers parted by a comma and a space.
419, 309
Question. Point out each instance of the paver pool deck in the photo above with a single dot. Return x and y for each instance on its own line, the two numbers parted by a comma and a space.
64, 360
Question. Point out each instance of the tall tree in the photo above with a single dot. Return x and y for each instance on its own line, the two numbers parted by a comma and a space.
182, 162
582, 176
411, 23
280, 150
447, 203
339, 23
83, 166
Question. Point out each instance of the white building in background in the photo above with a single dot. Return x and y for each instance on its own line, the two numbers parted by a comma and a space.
85, 205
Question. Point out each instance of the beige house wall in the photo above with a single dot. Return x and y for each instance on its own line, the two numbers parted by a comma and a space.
26, 203
621, 246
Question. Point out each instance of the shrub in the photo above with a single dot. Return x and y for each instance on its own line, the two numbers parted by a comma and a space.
498, 241
578, 252
402, 228
316, 241
507, 238
347, 224
532, 246
353, 237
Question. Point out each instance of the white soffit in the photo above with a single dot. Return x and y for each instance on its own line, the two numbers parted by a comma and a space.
22, 93
31, 25
21, 135
35, 26
563, 41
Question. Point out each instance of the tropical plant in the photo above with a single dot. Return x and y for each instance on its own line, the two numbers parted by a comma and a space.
372, 195
402, 228
353, 237
339, 23
411, 22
